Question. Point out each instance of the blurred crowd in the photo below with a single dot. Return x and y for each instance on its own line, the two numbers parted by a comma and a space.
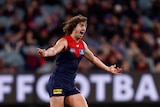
121, 32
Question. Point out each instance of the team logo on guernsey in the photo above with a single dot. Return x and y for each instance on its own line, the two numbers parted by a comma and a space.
57, 91
81, 51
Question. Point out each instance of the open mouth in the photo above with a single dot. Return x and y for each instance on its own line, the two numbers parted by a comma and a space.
82, 32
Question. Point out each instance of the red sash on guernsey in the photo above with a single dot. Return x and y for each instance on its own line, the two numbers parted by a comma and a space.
75, 47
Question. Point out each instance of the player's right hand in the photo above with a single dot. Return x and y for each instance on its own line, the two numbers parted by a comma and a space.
41, 52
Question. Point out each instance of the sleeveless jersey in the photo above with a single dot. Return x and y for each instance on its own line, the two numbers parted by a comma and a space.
68, 60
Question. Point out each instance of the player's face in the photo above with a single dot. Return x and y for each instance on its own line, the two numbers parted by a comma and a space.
80, 29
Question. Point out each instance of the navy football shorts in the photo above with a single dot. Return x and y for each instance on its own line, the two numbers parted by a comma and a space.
58, 88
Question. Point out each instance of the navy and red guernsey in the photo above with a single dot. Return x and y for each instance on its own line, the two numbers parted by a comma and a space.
61, 82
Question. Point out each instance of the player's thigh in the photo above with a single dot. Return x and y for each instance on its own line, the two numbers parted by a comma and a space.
76, 100
57, 101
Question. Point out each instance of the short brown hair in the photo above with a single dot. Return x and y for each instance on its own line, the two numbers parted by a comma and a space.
72, 23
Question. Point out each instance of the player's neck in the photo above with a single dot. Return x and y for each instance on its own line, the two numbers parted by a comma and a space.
74, 37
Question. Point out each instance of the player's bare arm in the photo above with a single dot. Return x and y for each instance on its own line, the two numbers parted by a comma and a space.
60, 45
92, 58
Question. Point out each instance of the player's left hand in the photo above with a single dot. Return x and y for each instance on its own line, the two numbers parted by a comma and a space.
115, 70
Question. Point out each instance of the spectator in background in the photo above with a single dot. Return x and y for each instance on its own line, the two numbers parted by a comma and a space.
157, 66
126, 66
32, 61
9, 8
156, 59
140, 63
